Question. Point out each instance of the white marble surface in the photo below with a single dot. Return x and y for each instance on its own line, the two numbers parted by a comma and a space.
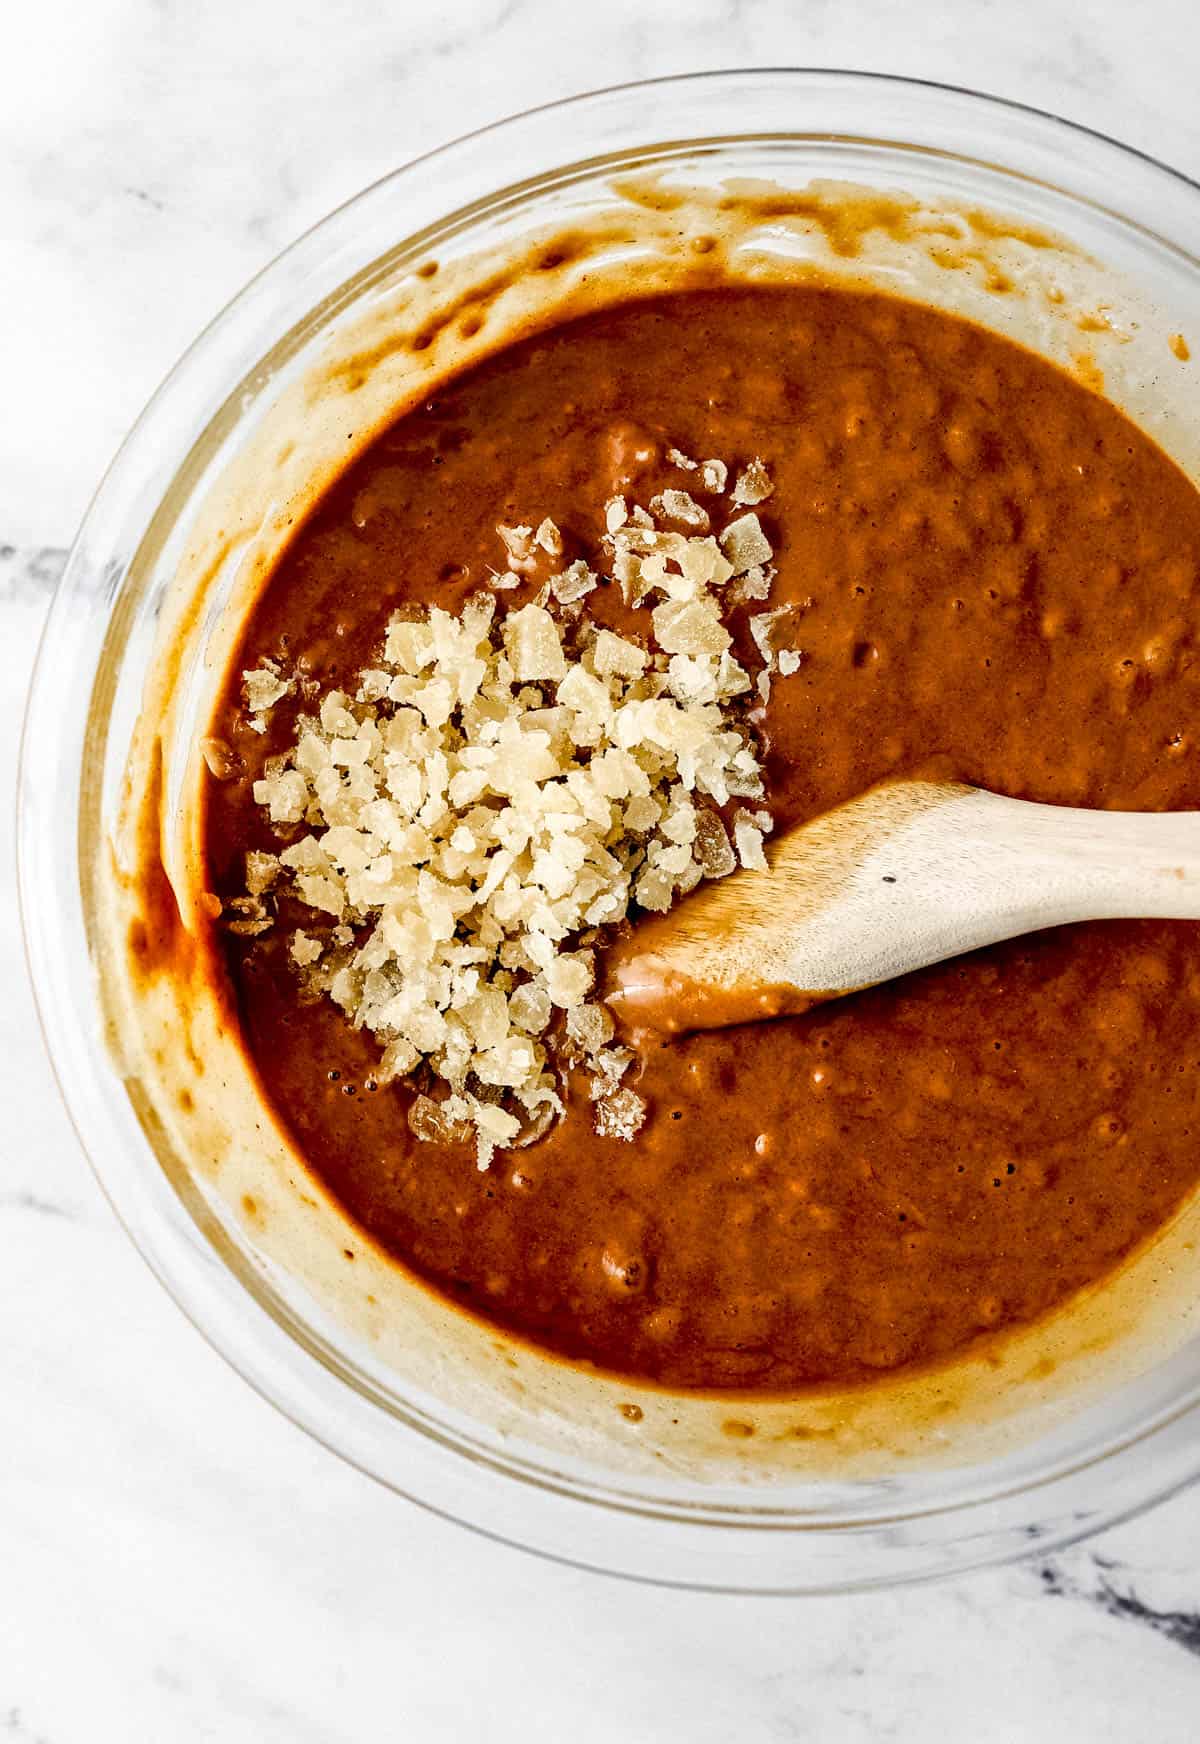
177, 1562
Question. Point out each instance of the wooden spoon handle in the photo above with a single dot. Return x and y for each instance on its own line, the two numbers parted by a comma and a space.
906, 875
1038, 865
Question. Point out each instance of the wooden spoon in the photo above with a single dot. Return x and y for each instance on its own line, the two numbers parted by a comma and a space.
908, 874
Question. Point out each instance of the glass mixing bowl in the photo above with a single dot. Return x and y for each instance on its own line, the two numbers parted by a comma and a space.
580, 1467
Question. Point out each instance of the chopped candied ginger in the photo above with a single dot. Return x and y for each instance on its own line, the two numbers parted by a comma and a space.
677, 505
261, 872
262, 688
620, 1114
519, 545
219, 758
753, 485
496, 787
716, 857
247, 916
748, 839
745, 544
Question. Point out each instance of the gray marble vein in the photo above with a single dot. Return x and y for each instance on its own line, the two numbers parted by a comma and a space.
14, 1727
29, 574
1106, 1584
25, 1199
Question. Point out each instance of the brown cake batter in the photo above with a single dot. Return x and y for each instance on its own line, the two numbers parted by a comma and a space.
999, 577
